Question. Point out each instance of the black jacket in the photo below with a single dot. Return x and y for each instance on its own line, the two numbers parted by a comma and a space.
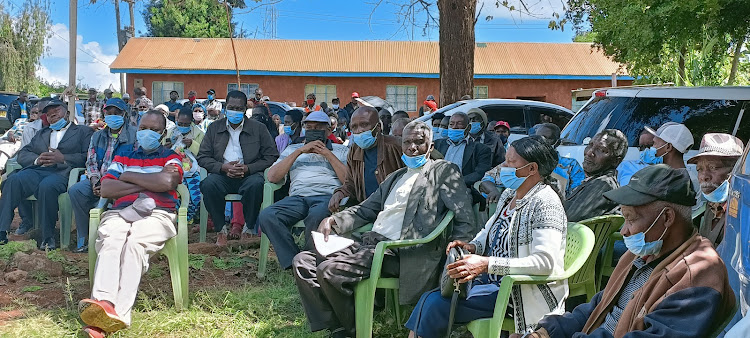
497, 148
74, 146
258, 147
477, 160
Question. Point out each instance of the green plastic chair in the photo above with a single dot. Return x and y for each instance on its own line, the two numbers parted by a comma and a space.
204, 213
586, 280
579, 245
63, 201
364, 292
176, 248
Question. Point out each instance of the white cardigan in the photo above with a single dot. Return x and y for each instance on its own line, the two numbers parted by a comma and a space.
537, 245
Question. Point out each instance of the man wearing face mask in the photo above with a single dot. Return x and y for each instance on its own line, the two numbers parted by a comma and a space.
192, 95
437, 130
472, 158
103, 146
213, 113
371, 159
670, 283
292, 130
714, 161
478, 133
235, 151
337, 109
315, 169
407, 205
626, 169
172, 105
210, 97
47, 161
258, 97
310, 105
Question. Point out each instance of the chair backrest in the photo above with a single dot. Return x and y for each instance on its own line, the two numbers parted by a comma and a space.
579, 244
602, 227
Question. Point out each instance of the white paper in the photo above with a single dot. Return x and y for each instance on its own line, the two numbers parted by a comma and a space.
335, 243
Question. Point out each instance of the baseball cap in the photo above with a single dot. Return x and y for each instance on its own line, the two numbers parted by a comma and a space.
718, 144
317, 116
117, 102
211, 91
430, 98
53, 103
657, 182
355, 94
502, 124
675, 134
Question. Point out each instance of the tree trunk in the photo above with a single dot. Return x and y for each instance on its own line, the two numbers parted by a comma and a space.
681, 67
456, 49
735, 60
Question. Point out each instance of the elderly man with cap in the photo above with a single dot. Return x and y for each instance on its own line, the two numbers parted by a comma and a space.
107, 96
210, 97
103, 146
478, 133
92, 108
714, 162
315, 169
353, 105
670, 283
47, 161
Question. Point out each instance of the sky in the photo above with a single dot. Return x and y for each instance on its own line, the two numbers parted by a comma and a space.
295, 19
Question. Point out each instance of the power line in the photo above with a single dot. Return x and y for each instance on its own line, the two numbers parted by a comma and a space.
81, 49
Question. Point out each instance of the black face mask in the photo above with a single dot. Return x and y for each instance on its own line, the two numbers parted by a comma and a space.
315, 135
504, 139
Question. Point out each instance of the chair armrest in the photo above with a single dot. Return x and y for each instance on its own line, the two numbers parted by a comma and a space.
74, 175
268, 190
276, 186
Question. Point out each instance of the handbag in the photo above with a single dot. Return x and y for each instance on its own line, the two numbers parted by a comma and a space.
450, 287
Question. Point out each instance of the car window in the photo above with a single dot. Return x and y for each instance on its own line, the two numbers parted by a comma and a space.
534, 113
450, 106
276, 110
514, 115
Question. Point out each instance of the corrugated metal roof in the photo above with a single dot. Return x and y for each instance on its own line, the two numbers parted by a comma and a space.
410, 57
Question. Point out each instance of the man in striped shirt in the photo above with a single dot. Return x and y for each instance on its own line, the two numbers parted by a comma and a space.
142, 181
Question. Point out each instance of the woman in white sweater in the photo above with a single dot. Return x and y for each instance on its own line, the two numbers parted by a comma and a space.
526, 235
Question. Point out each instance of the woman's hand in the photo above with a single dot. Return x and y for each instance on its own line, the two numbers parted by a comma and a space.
468, 268
463, 245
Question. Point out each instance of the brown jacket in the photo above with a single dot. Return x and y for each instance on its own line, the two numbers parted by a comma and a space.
389, 160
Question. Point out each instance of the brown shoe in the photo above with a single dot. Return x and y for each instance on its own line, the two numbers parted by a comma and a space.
236, 231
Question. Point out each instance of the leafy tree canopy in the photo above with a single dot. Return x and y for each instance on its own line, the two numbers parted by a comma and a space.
189, 18
22, 35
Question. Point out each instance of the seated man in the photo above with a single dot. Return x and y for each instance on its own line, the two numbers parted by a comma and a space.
103, 146
567, 168
409, 204
142, 182
235, 151
11, 142
626, 169
601, 156
385, 119
714, 162
478, 133
371, 159
437, 131
502, 130
47, 162
315, 168
670, 283
472, 158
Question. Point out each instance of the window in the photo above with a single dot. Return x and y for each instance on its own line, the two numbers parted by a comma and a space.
402, 97
160, 90
323, 93
481, 92
247, 88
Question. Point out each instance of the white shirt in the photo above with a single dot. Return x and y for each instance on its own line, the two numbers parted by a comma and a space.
233, 152
391, 219
57, 135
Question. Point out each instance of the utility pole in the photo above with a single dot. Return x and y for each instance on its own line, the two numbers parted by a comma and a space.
128, 33
120, 42
72, 40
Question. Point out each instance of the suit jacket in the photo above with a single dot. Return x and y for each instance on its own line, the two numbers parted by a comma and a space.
437, 189
477, 160
74, 146
258, 147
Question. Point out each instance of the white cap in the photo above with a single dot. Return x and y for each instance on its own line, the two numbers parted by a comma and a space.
675, 134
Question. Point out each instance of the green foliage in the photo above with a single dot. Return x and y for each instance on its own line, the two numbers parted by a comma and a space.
22, 36
234, 262
41, 277
7, 250
584, 37
155, 272
31, 288
196, 261
188, 18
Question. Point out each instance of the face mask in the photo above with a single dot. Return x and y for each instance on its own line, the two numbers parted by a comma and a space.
335, 106
148, 139
476, 127
191, 97
315, 135
310, 102
235, 116
198, 116
365, 140
444, 132
114, 121
720, 194
637, 243
509, 179
59, 124
504, 139
183, 130
210, 97
413, 162
456, 135
288, 130
648, 156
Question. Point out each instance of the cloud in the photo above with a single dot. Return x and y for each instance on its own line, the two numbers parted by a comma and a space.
539, 9
92, 61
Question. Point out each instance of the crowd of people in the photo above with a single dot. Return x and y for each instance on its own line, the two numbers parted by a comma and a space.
344, 167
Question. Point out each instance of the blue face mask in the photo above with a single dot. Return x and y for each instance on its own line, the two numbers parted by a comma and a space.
648, 156
456, 135
443, 132
637, 243
210, 97
476, 127
59, 124
413, 162
720, 194
335, 106
183, 130
148, 139
288, 130
234, 116
114, 121
365, 140
140, 113
509, 179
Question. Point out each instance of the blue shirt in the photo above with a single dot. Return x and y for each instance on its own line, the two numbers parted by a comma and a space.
455, 153
569, 169
371, 166
626, 169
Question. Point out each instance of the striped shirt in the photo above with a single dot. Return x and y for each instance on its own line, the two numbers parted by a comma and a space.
637, 280
128, 158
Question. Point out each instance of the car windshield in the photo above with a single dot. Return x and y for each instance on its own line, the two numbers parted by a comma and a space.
631, 115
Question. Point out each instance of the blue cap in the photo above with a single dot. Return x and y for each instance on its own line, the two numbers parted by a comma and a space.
117, 102
317, 116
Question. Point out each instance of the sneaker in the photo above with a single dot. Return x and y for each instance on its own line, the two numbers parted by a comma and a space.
100, 314
23, 229
221, 237
94, 332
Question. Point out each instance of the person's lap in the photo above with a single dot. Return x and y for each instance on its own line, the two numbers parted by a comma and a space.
430, 316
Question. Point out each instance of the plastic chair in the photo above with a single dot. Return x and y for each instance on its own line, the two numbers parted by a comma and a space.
580, 243
176, 248
204, 213
63, 201
364, 292
586, 280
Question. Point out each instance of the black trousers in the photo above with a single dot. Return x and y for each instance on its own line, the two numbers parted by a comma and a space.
215, 187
